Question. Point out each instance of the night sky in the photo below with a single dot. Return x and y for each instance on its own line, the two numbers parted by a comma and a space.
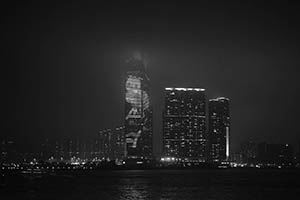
63, 64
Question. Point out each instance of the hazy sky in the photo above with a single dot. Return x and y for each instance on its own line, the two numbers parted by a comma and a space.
64, 64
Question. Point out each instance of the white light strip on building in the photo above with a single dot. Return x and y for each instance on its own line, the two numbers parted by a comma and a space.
219, 98
227, 143
186, 89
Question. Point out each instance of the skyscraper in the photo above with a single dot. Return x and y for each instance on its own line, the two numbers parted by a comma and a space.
119, 142
219, 127
248, 151
184, 124
138, 110
106, 144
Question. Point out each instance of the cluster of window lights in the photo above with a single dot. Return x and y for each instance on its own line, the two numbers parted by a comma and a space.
168, 159
175, 159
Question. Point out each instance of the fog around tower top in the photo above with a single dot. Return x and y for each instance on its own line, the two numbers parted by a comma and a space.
137, 55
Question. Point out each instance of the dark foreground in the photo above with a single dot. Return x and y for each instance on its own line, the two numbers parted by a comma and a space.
241, 184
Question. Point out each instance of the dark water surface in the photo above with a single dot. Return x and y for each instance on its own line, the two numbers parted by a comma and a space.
158, 184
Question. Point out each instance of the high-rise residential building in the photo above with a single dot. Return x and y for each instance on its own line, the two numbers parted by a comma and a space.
138, 110
111, 143
69, 149
248, 151
219, 129
8, 151
119, 143
184, 124
46, 151
105, 144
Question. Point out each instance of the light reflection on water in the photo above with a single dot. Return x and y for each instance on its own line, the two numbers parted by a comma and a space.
138, 189
209, 185
131, 189
162, 185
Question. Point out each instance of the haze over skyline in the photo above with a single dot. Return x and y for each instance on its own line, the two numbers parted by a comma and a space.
65, 64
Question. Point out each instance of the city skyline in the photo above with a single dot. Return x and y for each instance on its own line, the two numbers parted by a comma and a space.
65, 70
150, 100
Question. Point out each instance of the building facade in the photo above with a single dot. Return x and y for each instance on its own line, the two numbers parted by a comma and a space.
219, 129
248, 152
184, 124
111, 144
106, 144
138, 110
119, 143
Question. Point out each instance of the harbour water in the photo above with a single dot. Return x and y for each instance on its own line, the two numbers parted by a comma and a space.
241, 184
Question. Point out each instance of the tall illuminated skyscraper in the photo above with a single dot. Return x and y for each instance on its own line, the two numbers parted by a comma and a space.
184, 124
138, 110
219, 127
